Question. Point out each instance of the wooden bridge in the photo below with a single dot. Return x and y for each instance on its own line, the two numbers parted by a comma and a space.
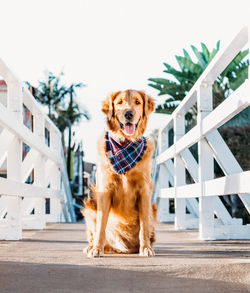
46, 254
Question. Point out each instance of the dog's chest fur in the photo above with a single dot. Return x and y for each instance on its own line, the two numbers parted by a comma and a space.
126, 192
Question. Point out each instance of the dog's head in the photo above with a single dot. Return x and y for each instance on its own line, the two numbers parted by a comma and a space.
127, 112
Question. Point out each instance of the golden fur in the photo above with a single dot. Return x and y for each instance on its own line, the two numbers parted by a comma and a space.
119, 216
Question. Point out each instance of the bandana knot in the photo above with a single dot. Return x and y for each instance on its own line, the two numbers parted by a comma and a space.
124, 155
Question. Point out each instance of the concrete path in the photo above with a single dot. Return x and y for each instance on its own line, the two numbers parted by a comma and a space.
52, 261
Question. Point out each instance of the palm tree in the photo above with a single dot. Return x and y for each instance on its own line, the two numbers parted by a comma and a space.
62, 108
72, 115
50, 92
184, 78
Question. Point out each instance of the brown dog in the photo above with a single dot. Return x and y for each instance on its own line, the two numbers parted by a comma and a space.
119, 216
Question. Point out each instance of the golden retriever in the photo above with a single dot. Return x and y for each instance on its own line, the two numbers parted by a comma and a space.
119, 215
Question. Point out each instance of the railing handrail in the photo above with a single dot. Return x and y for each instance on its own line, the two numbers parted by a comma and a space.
8, 74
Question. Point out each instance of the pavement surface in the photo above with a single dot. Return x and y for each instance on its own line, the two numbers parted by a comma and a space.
51, 260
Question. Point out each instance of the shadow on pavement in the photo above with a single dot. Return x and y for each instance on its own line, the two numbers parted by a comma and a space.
30, 278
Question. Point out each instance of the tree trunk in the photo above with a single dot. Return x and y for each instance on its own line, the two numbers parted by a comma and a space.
63, 142
69, 144
69, 152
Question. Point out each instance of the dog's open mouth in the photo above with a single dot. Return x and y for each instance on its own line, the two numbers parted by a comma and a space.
129, 128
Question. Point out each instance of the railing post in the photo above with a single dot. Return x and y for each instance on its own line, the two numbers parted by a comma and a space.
14, 163
206, 164
163, 204
179, 174
55, 182
39, 171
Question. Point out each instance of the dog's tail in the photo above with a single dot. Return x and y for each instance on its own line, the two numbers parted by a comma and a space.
90, 202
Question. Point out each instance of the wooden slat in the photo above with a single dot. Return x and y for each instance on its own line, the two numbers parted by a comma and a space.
188, 139
29, 163
166, 155
231, 184
6, 138
13, 188
167, 192
239, 232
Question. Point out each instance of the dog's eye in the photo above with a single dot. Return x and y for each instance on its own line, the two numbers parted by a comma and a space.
120, 102
137, 102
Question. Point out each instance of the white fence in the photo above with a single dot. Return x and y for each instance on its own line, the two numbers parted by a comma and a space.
22, 205
208, 212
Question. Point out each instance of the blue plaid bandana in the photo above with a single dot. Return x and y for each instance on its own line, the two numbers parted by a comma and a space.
124, 155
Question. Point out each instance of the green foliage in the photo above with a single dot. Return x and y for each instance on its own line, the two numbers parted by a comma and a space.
182, 79
68, 111
49, 92
69, 116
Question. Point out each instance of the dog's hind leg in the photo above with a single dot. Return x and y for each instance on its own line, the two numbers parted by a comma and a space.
89, 214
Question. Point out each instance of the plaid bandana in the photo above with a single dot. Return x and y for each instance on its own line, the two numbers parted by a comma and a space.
124, 155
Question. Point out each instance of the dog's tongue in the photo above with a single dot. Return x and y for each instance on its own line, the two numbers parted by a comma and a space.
129, 128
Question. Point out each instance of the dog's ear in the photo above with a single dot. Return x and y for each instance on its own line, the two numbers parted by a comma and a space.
108, 105
148, 104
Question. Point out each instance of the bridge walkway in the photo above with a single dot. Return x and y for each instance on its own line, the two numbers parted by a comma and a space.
51, 260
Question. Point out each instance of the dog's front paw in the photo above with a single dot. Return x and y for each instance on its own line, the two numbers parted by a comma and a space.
146, 251
95, 252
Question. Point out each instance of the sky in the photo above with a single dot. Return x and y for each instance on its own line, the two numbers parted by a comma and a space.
110, 45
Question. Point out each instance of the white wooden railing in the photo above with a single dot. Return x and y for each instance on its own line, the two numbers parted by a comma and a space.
173, 160
22, 205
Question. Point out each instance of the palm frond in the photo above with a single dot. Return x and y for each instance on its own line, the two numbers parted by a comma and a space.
181, 81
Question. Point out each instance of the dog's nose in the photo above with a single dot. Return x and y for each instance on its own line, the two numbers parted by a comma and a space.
129, 115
